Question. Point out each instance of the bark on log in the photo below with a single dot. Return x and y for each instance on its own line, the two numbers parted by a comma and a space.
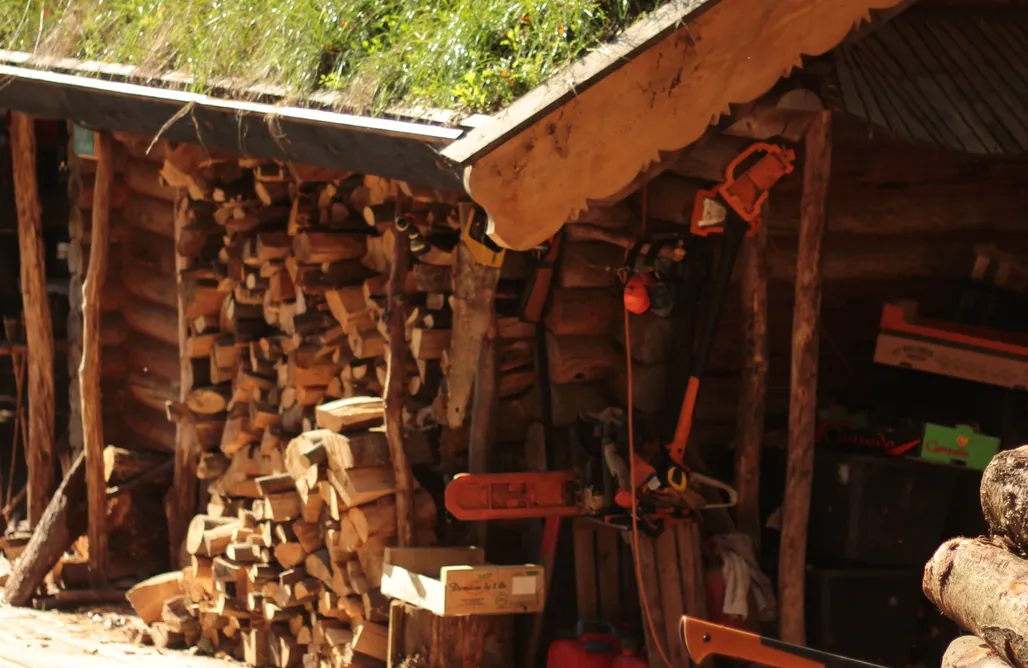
971, 652
485, 411
153, 215
486, 641
38, 326
157, 322
63, 521
978, 583
89, 371
144, 283
1004, 495
803, 395
121, 465
753, 397
396, 389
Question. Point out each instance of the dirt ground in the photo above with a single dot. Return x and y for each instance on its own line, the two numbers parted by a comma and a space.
101, 637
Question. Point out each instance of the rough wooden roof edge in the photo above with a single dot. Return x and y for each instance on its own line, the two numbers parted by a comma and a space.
228, 89
575, 79
395, 149
547, 169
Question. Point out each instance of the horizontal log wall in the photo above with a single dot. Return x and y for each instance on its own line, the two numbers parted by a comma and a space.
903, 221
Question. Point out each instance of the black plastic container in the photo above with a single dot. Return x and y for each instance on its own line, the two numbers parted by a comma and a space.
864, 614
877, 511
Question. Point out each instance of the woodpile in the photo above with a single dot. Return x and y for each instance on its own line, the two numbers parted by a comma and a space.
980, 582
288, 563
282, 275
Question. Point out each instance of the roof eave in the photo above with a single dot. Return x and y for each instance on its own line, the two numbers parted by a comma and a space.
396, 149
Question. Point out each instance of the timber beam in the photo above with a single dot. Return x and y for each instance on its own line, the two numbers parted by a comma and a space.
542, 161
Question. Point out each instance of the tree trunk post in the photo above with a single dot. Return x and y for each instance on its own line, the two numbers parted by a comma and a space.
484, 412
396, 387
183, 489
38, 327
89, 370
753, 396
803, 384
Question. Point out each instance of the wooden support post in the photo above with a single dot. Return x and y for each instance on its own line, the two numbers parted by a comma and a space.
89, 371
183, 489
803, 390
484, 413
753, 396
38, 328
396, 389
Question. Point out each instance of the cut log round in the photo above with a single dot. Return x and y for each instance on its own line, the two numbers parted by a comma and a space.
1004, 501
198, 526
149, 596
121, 465
975, 582
971, 652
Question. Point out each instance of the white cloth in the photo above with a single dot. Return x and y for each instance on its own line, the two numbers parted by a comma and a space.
742, 575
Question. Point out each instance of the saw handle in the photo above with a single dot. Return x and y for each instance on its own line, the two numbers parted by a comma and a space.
733, 496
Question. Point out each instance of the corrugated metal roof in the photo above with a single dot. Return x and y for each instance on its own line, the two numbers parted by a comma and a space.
957, 79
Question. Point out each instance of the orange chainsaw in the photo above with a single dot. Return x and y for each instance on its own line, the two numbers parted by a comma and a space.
704, 639
665, 487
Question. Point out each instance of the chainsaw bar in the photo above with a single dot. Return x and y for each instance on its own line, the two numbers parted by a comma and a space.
513, 496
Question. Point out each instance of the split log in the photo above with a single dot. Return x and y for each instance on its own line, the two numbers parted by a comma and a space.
379, 518
971, 652
38, 325
350, 414
803, 386
89, 369
1004, 484
974, 582
63, 521
149, 596
322, 247
121, 465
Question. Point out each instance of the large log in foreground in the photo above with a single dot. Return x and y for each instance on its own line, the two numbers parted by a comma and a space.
1003, 496
63, 521
980, 585
38, 327
971, 652
396, 389
792, 563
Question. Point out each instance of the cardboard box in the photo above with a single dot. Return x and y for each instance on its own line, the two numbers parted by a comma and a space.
456, 582
958, 445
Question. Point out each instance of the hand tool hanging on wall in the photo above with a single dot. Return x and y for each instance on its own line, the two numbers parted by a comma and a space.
704, 639
666, 489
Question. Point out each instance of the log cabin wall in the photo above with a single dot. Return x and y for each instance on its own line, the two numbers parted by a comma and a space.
903, 223
139, 365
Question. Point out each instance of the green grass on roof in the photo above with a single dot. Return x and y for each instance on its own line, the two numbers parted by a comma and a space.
474, 55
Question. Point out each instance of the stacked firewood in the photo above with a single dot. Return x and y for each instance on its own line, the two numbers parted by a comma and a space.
296, 569
980, 583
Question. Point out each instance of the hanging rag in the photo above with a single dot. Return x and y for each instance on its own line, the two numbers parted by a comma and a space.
742, 576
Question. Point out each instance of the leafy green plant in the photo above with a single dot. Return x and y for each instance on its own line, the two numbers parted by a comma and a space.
464, 54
